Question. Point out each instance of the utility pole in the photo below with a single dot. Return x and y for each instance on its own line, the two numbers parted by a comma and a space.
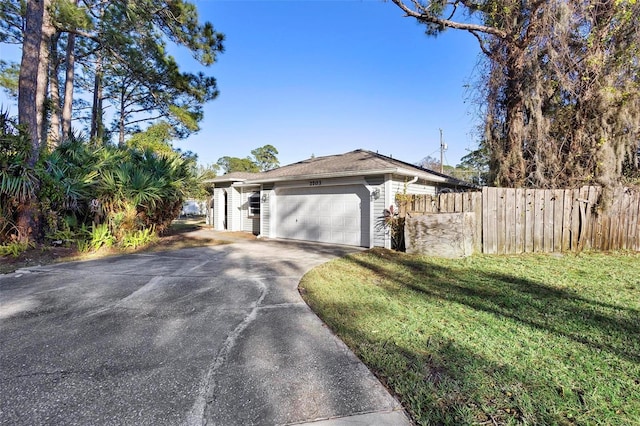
443, 148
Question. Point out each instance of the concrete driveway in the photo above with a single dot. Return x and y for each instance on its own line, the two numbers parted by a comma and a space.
212, 335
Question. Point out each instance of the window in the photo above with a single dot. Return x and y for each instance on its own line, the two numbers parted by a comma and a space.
254, 204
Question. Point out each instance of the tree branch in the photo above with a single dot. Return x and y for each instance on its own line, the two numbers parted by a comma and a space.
481, 42
129, 123
424, 15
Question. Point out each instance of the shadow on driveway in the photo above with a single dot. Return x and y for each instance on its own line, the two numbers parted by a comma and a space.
210, 335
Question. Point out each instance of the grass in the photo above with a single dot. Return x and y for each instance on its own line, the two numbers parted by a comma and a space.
492, 340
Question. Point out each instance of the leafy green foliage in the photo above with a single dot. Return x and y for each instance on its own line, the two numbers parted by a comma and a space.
143, 83
139, 238
9, 77
100, 195
14, 248
266, 157
11, 21
235, 164
18, 181
202, 189
122, 48
476, 166
100, 236
67, 14
157, 138
146, 189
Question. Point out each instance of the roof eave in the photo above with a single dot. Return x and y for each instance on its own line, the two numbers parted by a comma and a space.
394, 170
436, 178
318, 176
232, 180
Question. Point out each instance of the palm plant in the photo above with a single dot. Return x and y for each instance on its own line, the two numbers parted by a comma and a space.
122, 190
69, 174
172, 175
18, 182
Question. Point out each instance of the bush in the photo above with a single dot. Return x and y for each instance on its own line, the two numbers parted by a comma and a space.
138, 238
18, 182
15, 248
119, 193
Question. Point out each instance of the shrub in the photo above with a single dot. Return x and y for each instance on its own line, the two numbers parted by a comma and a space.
14, 248
139, 238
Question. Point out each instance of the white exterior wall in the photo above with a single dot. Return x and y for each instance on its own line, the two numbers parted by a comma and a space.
218, 208
245, 224
389, 200
249, 223
265, 211
377, 210
421, 187
235, 209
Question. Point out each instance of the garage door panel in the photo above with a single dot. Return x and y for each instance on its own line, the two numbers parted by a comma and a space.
327, 214
324, 221
350, 222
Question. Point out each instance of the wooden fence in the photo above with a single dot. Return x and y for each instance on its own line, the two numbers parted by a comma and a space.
510, 221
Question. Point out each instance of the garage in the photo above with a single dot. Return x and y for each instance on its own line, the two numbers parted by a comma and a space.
335, 199
328, 214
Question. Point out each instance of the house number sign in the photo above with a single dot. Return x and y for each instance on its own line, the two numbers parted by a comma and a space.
315, 182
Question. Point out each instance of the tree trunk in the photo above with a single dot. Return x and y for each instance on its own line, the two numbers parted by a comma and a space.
121, 123
54, 84
48, 32
28, 110
67, 109
511, 169
32, 88
97, 126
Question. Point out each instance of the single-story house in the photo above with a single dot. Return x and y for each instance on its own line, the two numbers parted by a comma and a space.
339, 199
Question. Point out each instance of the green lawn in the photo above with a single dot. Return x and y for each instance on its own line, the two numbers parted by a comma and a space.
492, 340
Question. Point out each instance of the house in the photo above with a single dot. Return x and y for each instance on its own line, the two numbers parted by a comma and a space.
339, 199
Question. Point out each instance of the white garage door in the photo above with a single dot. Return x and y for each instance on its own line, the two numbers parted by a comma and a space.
332, 214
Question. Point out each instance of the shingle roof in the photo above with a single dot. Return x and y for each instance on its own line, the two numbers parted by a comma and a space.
354, 161
234, 177
358, 162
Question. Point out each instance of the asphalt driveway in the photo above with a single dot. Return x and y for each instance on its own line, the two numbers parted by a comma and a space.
212, 335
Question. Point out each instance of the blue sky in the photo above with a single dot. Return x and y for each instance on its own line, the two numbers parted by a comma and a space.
327, 77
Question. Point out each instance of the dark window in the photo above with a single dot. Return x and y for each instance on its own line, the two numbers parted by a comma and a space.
254, 204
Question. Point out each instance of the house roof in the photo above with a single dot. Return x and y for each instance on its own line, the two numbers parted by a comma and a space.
233, 177
355, 163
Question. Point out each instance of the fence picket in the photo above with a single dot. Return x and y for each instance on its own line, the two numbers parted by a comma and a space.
509, 219
491, 222
567, 205
558, 211
575, 219
529, 219
500, 224
538, 222
634, 226
520, 201
594, 219
476, 206
516, 220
